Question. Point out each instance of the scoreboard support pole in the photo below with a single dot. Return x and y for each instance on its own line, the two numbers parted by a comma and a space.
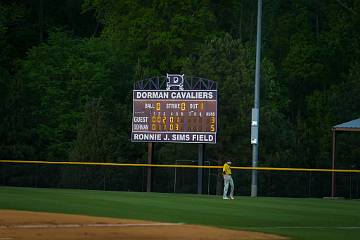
149, 169
201, 160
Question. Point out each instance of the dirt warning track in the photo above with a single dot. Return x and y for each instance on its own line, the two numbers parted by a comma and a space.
17, 225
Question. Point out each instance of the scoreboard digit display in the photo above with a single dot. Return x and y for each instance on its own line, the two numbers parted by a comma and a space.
184, 116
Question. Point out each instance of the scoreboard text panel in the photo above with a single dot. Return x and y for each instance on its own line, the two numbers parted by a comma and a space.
188, 116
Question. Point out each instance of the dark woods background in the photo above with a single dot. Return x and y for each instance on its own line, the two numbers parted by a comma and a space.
67, 69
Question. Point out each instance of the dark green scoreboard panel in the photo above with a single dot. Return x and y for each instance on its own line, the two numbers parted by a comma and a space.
187, 116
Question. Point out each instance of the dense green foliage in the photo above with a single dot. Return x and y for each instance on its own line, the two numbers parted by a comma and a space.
67, 69
296, 218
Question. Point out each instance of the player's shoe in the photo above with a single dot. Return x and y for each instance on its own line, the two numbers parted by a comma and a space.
232, 197
226, 198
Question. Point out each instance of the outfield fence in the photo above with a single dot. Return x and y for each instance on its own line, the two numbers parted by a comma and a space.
178, 178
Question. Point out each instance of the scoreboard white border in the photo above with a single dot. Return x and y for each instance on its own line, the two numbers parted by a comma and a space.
157, 99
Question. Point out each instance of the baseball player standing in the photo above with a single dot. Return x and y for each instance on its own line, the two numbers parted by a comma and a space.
228, 180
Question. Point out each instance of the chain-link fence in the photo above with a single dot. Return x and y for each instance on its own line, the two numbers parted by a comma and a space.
178, 180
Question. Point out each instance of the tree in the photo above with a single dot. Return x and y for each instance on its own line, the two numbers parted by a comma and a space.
158, 34
59, 78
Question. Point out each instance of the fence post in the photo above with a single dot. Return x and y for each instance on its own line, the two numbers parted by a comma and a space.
309, 192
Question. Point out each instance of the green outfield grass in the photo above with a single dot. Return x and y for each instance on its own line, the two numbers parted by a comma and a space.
297, 218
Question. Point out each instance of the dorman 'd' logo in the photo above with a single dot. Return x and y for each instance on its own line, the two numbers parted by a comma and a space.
175, 80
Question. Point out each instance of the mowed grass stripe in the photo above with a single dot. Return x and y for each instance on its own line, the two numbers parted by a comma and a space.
300, 216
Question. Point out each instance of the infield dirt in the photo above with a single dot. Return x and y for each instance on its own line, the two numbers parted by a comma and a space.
16, 225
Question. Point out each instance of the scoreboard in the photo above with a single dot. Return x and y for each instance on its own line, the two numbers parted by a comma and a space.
186, 116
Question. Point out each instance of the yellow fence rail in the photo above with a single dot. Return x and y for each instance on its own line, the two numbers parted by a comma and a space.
180, 166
